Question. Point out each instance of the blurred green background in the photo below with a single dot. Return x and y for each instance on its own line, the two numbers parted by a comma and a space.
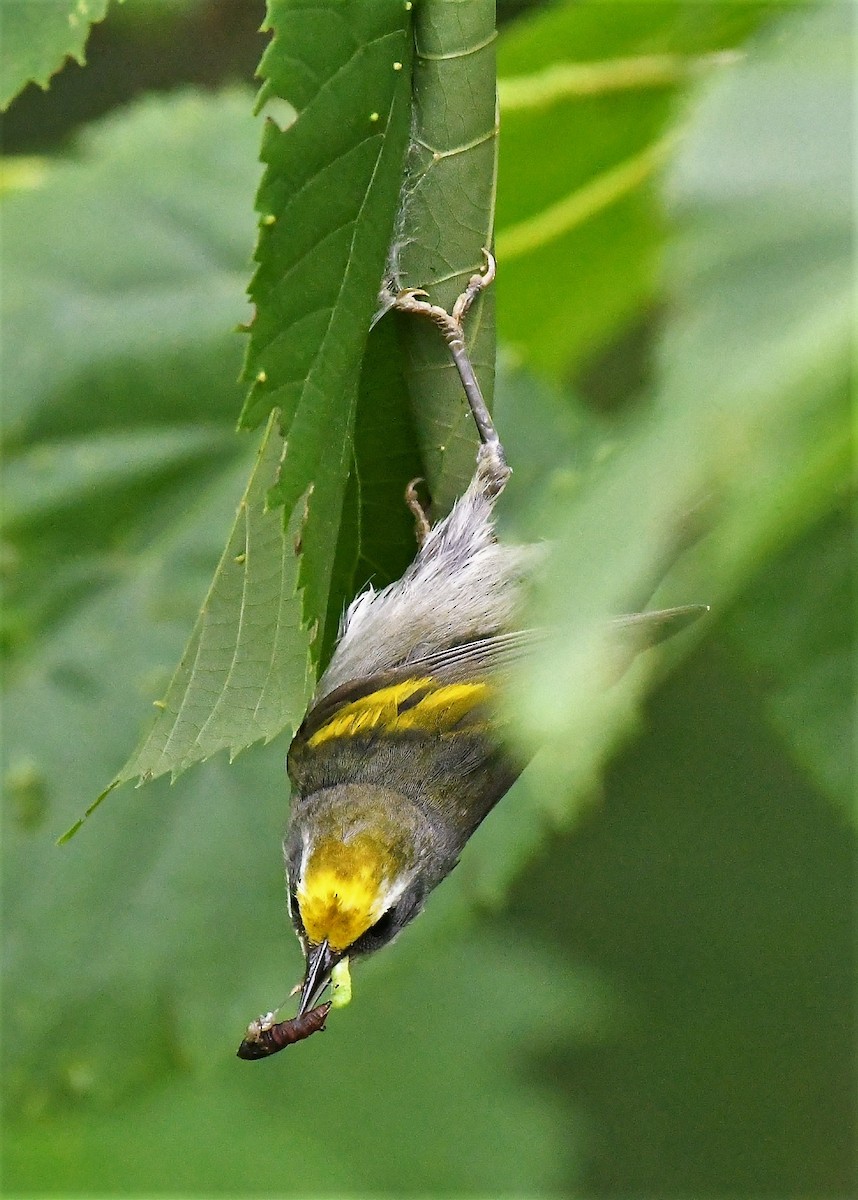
641, 979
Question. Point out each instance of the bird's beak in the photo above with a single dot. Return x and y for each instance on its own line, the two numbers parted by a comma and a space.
321, 960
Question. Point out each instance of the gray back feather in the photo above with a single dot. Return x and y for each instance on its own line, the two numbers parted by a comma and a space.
462, 586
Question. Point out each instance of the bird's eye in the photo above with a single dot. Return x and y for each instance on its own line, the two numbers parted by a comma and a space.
384, 925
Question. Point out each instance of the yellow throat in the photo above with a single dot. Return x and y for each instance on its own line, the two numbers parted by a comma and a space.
343, 888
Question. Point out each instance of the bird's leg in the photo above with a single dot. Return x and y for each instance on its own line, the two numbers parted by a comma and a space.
412, 300
421, 521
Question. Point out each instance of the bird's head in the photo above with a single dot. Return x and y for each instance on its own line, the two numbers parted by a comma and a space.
359, 863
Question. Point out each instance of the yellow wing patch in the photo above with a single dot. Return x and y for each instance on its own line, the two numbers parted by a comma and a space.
442, 707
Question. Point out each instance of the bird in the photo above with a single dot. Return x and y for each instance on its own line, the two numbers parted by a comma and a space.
402, 753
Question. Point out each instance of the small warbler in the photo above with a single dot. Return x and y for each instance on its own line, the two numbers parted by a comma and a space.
400, 757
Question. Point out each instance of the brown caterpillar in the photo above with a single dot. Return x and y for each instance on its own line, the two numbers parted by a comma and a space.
263, 1039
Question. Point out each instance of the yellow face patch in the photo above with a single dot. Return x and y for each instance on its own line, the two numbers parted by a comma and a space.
342, 890
402, 708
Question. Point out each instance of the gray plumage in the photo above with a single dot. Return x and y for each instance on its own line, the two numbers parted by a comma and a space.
457, 601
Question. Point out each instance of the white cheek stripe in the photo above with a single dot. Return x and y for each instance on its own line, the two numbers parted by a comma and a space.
396, 889
305, 854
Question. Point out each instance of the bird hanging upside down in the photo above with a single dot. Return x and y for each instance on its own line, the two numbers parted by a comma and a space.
401, 754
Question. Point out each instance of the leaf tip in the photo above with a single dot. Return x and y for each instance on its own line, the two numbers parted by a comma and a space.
70, 832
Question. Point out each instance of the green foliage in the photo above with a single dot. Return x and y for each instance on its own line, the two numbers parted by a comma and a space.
796, 630
328, 198
447, 217
664, 998
747, 438
38, 38
108, 443
341, 86
238, 681
580, 226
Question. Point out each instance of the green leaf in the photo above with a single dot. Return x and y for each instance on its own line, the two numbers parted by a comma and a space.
405, 413
134, 286
795, 627
132, 976
52, 480
376, 539
747, 440
330, 195
362, 531
242, 682
39, 37
102, 437
446, 218
589, 108
328, 199
150, 265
